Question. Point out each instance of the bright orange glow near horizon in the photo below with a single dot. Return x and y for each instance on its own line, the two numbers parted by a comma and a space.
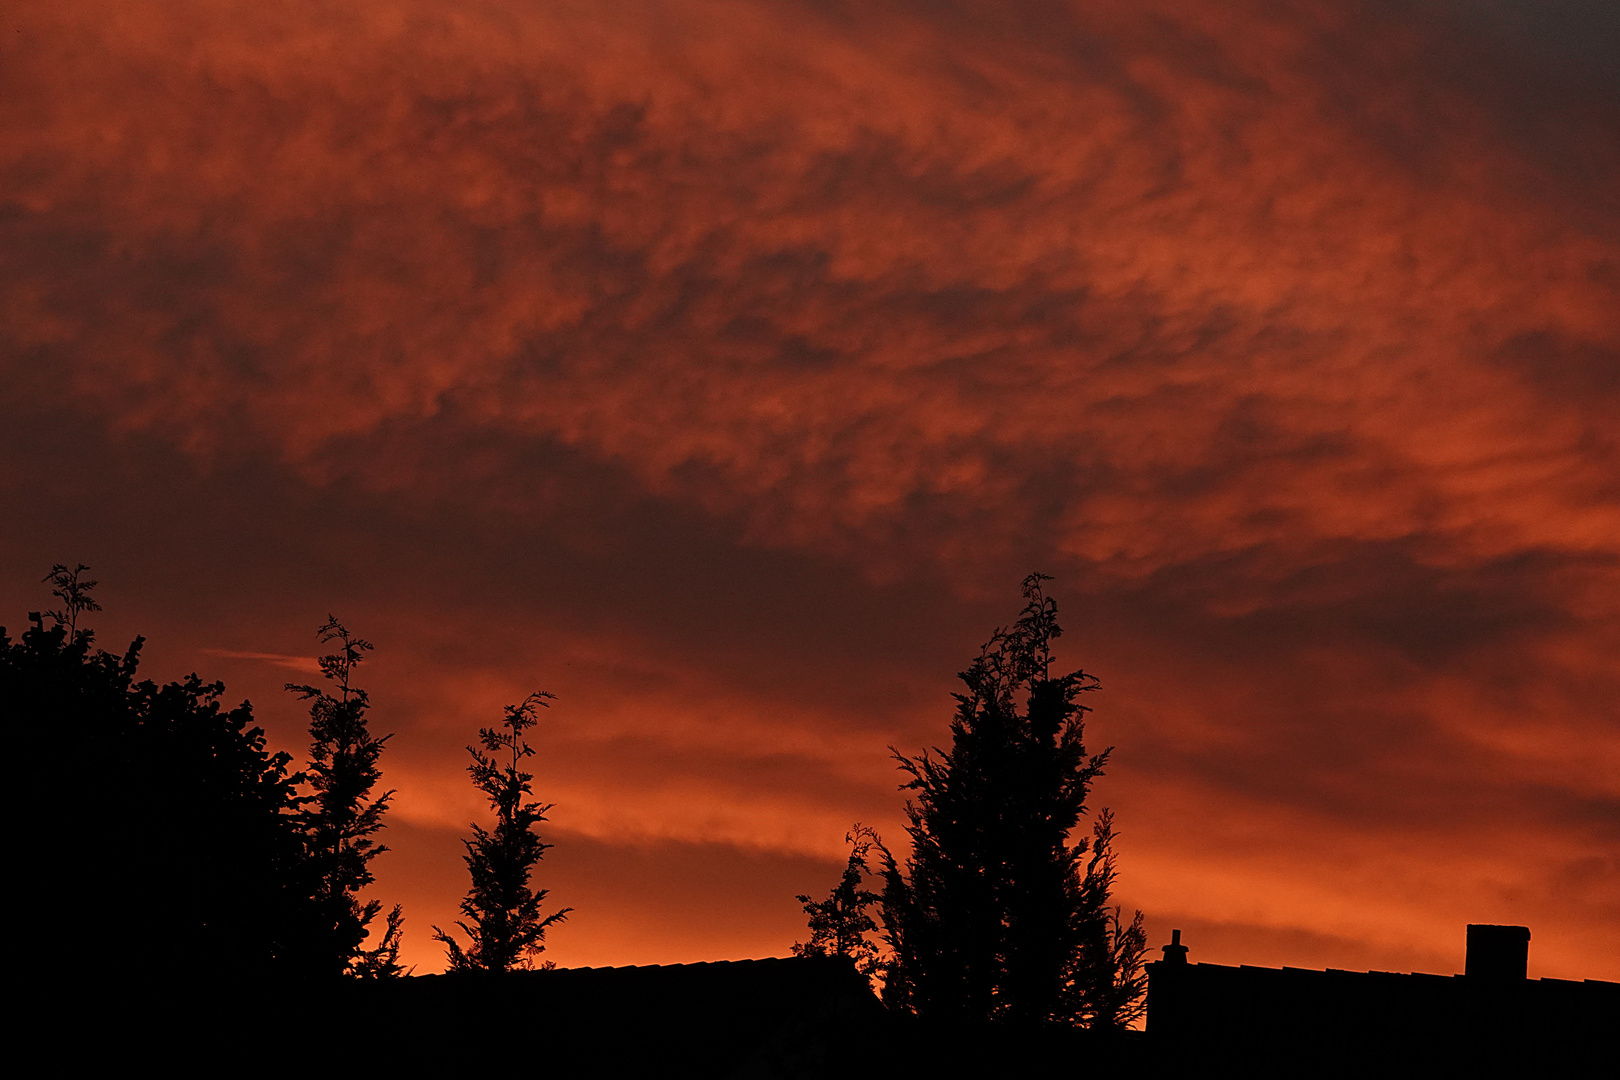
721, 366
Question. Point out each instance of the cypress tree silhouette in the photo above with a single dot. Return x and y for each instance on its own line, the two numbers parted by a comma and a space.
343, 816
507, 930
998, 914
841, 924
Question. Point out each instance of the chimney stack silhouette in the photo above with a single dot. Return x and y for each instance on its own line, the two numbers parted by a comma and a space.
1498, 952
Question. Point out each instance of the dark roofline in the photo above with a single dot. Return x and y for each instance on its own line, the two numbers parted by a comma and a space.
1344, 973
685, 964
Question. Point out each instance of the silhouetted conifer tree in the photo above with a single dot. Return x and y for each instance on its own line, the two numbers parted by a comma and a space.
343, 815
506, 929
170, 851
998, 913
841, 924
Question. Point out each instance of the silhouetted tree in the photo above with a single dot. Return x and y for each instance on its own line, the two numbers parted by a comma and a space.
841, 924
74, 594
1111, 959
998, 913
169, 846
506, 930
343, 815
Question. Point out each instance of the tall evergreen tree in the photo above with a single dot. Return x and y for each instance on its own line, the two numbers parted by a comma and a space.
344, 816
998, 913
506, 929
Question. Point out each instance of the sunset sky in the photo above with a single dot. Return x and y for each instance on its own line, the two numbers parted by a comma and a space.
722, 366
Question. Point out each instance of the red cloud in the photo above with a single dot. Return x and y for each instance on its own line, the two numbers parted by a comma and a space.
1285, 332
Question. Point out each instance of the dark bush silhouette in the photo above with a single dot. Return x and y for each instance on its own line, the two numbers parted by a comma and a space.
506, 930
343, 816
997, 914
842, 925
172, 847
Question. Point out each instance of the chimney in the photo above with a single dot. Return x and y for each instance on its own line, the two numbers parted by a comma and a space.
1498, 952
1175, 952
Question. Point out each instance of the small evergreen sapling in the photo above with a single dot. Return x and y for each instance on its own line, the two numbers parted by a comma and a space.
338, 829
505, 927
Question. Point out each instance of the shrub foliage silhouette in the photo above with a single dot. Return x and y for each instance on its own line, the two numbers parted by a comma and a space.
999, 913
171, 800
343, 816
505, 929
842, 925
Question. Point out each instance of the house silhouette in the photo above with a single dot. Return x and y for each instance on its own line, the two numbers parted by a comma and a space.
789, 1018
1489, 1021
813, 1017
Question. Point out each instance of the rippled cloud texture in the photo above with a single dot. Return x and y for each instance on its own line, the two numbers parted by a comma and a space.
722, 365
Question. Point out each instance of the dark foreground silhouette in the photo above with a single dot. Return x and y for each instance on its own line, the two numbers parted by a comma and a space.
806, 1017
796, 1017
182, 918
1490, 1021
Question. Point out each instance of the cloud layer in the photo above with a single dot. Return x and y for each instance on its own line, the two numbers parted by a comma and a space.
722, 366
